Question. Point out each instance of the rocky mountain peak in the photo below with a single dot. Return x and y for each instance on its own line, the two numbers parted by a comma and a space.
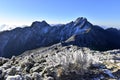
79, 21
40, 34
39, 24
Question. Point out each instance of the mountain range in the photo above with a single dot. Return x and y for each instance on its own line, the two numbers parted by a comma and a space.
41, 34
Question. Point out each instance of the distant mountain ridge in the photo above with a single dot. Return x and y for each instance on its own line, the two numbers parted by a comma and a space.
40, 34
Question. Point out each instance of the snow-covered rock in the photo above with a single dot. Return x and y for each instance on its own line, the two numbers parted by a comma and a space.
16, 77
108, 72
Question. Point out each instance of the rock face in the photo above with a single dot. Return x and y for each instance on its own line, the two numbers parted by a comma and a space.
40, 34
60, 62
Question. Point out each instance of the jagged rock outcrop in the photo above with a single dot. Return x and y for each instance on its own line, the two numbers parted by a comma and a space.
40, 34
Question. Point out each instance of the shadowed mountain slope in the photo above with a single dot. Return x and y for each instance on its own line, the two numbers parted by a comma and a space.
40, 34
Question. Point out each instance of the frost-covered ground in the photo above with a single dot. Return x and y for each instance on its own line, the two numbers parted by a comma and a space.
62, 63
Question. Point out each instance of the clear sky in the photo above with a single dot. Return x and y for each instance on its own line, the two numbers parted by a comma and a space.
24, 12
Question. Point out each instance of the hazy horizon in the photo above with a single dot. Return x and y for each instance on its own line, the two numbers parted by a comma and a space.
24, 12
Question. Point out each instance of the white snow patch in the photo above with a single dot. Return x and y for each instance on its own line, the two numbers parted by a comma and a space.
16, 77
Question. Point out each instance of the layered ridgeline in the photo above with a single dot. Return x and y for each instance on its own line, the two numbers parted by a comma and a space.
40, 34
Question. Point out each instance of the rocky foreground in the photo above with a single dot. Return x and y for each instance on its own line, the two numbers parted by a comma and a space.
62, 63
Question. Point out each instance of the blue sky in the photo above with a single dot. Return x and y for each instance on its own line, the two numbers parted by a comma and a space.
24, 12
